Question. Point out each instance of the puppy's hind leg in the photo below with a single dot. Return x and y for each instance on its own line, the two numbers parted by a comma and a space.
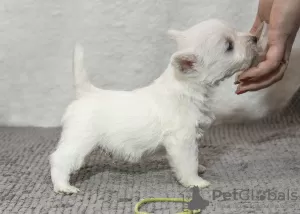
183, 158
72, 148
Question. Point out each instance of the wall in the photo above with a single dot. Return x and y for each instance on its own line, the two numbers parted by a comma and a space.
125, 43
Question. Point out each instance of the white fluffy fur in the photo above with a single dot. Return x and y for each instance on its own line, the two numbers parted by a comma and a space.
171, 112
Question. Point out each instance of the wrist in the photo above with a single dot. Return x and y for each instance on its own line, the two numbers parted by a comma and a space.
277, 37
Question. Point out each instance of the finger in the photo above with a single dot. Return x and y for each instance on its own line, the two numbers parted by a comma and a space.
264, 83
273, 59
259, 30
259, 85
236, 81
256, 25
254, 74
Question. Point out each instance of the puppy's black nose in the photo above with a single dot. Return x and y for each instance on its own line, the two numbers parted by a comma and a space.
254, 39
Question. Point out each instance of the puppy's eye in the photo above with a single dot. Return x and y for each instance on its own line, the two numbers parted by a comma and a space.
229, 46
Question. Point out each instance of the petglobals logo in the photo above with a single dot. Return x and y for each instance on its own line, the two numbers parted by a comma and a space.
255, 195
195, 203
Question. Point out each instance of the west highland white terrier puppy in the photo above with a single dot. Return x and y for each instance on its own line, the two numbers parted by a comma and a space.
172, 112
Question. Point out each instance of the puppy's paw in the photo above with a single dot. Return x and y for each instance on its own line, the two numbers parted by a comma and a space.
202, 183
201, 169
67, 189
199, 182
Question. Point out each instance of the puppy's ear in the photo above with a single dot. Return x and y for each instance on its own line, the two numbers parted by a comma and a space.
178, 36
174, 34
184, 61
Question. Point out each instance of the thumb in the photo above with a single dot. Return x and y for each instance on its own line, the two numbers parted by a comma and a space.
256, 25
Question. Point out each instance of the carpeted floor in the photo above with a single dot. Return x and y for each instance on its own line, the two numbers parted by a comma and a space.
261, 156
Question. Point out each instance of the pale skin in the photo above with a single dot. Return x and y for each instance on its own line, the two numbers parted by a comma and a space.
283, 17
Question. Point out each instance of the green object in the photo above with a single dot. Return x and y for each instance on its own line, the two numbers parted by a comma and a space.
151, 200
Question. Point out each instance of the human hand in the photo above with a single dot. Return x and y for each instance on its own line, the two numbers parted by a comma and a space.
283, 18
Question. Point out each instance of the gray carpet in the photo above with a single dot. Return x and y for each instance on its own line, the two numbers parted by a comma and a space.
261, 156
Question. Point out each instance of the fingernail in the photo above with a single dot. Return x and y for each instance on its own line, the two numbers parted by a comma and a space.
238, 92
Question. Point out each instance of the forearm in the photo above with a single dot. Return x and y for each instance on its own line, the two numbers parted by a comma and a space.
285, 17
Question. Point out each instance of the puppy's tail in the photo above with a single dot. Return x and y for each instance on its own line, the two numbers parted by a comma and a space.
81, 81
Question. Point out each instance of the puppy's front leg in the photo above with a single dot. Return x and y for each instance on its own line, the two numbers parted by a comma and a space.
183, 157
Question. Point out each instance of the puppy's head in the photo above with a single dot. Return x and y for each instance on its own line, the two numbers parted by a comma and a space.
211, 51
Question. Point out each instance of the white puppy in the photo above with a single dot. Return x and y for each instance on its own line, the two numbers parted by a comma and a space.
229, 107
171, 112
